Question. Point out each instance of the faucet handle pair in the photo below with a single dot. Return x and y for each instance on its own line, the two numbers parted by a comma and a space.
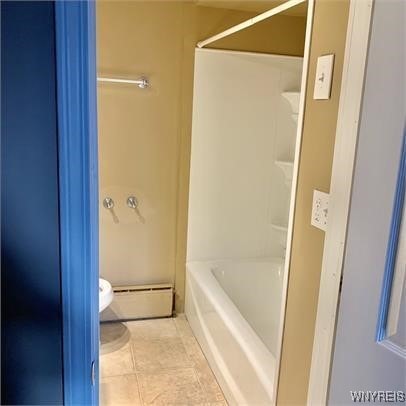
108, 203
132, 202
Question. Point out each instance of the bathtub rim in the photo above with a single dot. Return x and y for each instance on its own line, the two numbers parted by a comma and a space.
252, 346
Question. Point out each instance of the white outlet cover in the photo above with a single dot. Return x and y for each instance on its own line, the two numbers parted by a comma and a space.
320, 209
324, 75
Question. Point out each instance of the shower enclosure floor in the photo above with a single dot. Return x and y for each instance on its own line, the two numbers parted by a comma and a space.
155, 362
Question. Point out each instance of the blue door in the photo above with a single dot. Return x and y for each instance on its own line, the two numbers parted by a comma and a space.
31, 319
49, 227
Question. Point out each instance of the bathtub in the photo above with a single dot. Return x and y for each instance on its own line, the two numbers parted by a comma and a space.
233, 308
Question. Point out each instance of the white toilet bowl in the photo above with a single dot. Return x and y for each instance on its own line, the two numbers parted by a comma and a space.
106, 294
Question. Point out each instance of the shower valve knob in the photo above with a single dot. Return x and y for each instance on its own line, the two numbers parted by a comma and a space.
132, 202
108, 203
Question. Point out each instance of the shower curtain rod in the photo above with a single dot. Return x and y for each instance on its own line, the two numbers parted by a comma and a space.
260, 17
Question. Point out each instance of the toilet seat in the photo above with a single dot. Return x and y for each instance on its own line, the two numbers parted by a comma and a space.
106, 294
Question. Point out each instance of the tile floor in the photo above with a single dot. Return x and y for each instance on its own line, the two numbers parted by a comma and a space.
155, 362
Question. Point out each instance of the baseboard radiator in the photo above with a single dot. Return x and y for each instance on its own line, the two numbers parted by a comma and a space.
139, 302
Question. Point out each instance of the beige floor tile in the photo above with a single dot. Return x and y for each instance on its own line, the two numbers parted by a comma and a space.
183, 326
119, 390
203, 371
158, 328
119, 362
178, 387
209, 383
170, 365
223, 403
193, 350
156, 354
113, 336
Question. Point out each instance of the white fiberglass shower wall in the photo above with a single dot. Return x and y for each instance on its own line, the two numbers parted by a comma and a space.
243, 145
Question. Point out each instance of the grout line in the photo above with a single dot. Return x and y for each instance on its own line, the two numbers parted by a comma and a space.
115, 376
206, 363
160, 371
178, 333
133, 355
177, 329
204, 392
139, 390
193, 364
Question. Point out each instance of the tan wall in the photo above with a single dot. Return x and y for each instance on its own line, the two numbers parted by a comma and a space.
328, 36
139, 138
144, 136
280, 34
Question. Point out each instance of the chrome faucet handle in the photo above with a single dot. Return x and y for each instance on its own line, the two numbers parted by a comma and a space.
108, 203
132, 202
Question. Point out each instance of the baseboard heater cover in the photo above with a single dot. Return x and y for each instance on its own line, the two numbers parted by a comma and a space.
139, 302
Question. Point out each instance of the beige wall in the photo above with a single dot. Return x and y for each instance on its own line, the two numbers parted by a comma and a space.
280, 34
328, 36
139, 138
144, 136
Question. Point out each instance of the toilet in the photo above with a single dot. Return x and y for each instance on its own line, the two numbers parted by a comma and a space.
106, 294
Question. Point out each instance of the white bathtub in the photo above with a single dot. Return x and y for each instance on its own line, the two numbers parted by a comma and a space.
233, 308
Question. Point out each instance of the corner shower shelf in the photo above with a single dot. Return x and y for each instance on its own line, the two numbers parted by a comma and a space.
293, 99
287, 168
279, 227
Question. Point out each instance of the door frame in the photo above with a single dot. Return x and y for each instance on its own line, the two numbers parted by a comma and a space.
349, 113
78, 183
78, 193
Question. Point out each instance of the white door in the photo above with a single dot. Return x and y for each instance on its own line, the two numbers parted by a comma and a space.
360, 363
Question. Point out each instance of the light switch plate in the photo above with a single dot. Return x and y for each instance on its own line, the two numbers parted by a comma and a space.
320, 209
324, 74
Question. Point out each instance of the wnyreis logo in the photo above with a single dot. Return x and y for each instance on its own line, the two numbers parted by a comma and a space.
378, 396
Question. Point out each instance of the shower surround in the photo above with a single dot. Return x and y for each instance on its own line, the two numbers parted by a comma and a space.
243, 149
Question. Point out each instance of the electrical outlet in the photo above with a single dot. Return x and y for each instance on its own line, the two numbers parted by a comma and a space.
320, 209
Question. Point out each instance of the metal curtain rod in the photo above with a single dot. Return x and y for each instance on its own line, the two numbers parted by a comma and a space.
260, 17
142, 82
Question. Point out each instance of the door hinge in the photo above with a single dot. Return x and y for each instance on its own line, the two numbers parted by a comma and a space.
341, 285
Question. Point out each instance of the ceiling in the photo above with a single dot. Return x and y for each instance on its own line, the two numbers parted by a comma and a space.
256, 6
